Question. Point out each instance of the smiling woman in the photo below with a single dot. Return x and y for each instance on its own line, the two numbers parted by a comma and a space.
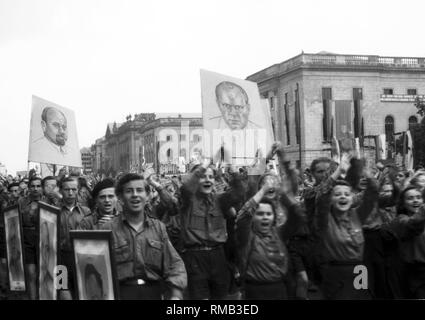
409, 226
263, 255
339, 227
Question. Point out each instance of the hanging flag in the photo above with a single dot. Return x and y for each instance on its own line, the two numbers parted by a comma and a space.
409, 155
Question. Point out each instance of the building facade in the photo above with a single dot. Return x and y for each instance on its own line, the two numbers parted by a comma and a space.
163, 141
86, 160
314, 97
98, 150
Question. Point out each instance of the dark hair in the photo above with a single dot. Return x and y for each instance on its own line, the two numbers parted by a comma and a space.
104, 184
354, 173
126, 179
401, 209
317, 161
66, 179
33, 178
197, 166
43, 182
91, 270
13, 184
342, 183
82, 182
272, 204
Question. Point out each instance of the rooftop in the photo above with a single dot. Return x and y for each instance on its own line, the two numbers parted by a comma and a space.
340, 61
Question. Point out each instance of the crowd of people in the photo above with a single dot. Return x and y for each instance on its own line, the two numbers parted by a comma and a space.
221, 233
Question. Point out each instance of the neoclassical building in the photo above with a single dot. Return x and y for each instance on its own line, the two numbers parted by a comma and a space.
313, 97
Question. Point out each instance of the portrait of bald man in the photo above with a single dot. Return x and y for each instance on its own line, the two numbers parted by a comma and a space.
55, 131
233, 102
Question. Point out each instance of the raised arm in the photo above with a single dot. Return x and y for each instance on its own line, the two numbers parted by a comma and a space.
370, 198
406, 227
296, 215
244, 217
191, 185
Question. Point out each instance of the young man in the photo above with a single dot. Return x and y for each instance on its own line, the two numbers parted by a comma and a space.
203, 216
144, 255
28, 207
14, 195
71, 215
106, 201
51, 194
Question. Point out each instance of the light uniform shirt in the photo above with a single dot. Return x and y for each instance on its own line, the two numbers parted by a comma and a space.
146, 253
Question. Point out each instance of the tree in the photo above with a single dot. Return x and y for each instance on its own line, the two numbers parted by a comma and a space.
420, 105
418, 133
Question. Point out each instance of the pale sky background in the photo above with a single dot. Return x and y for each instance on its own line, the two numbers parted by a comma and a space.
108, 58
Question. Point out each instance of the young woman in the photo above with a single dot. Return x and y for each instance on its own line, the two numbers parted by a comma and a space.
264, 257
381, 252
409, 226
341, 237
203, 214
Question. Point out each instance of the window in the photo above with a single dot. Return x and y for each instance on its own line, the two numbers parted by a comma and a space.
327, 117
169, 154
286, 107
389, 91
272, 100
196, 138
412, 92
168, 138
357, 97
389, 128
412, 122
357, 94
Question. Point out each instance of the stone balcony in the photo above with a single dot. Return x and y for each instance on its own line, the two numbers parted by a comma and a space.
339, 61
400, 97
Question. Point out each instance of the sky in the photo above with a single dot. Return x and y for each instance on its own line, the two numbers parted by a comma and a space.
106, 59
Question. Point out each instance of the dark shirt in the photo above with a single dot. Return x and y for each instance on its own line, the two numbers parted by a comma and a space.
28, 208
342, 238
264, 258
410, 230
146, 253
310, 196
203, 218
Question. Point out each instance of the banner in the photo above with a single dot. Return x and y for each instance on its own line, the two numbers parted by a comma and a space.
53, 134
234, 118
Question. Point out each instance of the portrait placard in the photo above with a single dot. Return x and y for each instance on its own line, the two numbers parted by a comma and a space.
234, 117
48, 230
53, 134
94, 265
14, 249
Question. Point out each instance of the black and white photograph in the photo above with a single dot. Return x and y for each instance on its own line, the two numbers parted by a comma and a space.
215, 150
14, 249
53, 135
93, 265
48, 248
